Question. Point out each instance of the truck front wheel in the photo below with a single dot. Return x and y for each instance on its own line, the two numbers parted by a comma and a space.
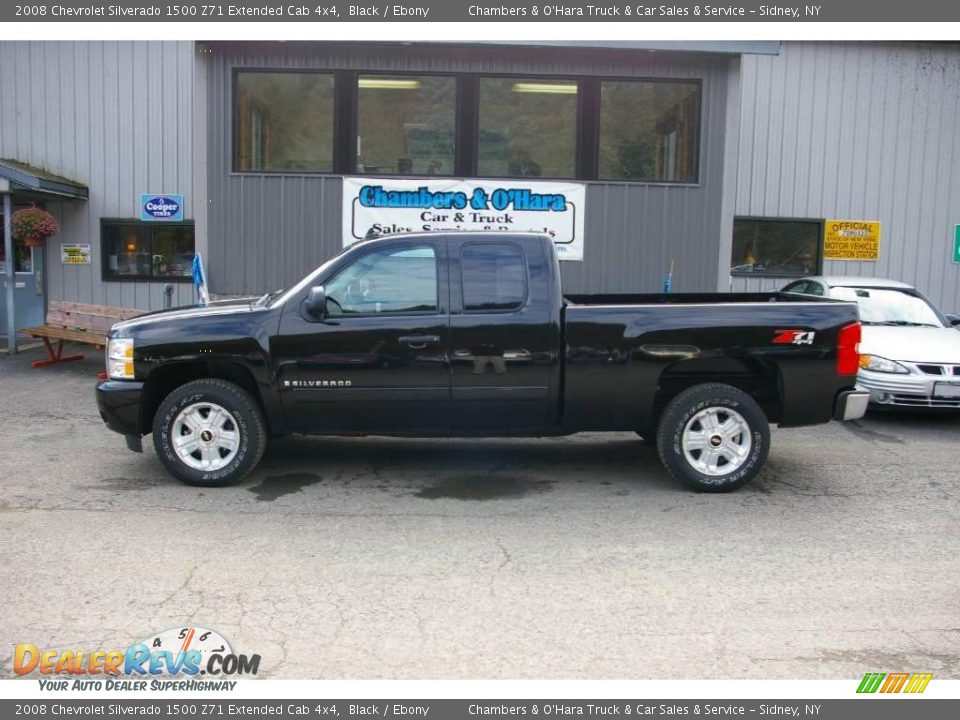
209, 433
713, 438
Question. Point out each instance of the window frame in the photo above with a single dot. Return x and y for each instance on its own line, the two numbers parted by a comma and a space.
438, 310
235, 118
352, 122
105, 273
526, 278
697, 129
577, 119
818, 269
467, 123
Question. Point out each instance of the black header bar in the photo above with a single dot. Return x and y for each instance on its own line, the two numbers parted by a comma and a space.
213, 706
614, 11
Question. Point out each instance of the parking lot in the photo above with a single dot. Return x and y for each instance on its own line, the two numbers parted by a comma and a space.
556, 558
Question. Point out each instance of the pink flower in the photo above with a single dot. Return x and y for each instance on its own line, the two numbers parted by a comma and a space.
33, 222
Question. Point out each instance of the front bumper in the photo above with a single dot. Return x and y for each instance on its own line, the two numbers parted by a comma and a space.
851, 405
905, 390
119, 404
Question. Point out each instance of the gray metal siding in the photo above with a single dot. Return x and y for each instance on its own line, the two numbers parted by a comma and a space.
859, 131
267, 231
116, 116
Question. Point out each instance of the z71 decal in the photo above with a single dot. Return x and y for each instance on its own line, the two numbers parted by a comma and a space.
794, 337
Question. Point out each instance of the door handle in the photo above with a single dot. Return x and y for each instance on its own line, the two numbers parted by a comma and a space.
517, 355
418, 342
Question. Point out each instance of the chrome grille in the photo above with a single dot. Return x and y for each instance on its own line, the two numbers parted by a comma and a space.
921, 401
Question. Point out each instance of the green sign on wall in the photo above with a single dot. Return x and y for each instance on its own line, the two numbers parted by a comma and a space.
956, 244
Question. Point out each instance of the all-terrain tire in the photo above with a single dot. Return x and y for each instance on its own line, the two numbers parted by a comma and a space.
229, 444
730, 425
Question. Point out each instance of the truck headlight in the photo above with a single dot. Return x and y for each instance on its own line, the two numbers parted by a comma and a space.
881, 364
120, 358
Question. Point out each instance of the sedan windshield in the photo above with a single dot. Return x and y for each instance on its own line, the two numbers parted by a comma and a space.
889, 306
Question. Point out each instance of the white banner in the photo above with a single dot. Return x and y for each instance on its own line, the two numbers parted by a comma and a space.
383, 206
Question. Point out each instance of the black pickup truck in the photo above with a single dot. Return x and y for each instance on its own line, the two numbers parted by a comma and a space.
468, 334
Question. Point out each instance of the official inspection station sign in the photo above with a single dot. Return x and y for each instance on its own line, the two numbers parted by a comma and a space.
383, 206
162, 208
851, 240
75, 253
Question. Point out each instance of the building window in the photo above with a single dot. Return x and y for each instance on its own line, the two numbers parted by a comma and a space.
527, 127
494, 277
133, 250
392, 280
284, 122
648, 131
405, 125
379, 123
776, 247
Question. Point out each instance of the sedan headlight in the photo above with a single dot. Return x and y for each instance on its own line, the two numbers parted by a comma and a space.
881, 364
120, 358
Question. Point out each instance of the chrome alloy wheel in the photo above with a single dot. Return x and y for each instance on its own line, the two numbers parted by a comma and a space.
716, 441
205, 436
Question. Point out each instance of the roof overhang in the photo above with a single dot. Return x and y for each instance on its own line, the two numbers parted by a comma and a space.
18, 176
723, 47
730, 48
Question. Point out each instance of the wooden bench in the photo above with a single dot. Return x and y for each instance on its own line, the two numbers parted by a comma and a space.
77, 323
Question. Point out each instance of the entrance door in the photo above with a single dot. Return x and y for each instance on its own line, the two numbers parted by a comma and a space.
377, 362
27, 287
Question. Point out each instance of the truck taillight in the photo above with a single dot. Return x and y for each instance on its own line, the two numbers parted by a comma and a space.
848, 350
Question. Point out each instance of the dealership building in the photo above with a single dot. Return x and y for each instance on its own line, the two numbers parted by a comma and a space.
737, 164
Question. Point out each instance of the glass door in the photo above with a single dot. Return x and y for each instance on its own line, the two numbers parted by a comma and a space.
27, 286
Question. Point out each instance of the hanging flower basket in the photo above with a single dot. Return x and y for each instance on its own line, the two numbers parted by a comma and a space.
33, 225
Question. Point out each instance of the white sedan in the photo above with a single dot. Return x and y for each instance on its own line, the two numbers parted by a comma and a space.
909, 352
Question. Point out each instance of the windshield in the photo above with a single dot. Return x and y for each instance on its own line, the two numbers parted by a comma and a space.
270, 298
889, 306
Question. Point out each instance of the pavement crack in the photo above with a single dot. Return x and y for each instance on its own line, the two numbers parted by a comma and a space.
506, 556
857, 428
181, 588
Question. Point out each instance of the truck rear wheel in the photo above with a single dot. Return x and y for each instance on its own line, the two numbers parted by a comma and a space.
209, 433
713, 438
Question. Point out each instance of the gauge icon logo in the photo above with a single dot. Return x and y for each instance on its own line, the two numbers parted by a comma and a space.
204, 650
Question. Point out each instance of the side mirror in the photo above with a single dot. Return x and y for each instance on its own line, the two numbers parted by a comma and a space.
315, 306
953, 319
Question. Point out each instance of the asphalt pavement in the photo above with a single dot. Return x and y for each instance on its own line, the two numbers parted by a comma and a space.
556, 558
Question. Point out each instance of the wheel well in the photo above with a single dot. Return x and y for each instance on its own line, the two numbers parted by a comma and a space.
760, 380
166, 378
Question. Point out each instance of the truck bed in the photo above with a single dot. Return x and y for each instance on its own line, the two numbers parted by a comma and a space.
623, 352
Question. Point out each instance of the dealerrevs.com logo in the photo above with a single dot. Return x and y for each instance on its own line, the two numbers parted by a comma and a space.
891, 683
184, 658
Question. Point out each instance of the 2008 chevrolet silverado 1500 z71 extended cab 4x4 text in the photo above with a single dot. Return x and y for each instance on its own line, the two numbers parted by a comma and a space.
468, 334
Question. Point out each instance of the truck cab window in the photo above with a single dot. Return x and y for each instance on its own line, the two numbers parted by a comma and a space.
494, 277
392, 280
